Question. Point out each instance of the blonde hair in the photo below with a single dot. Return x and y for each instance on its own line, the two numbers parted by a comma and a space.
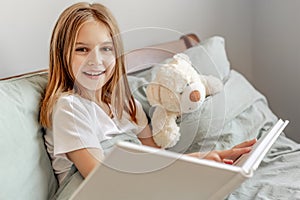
61, 78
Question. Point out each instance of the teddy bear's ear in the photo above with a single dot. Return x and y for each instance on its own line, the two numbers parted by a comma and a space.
152, 93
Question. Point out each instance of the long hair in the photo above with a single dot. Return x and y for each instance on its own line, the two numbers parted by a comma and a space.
61, 79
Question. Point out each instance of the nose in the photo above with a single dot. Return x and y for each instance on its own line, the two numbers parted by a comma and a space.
95, 58
195, 96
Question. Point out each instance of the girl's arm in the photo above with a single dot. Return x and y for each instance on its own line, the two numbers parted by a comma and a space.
226, 156
85, 159
145, 136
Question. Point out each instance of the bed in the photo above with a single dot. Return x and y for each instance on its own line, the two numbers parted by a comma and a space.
238, 113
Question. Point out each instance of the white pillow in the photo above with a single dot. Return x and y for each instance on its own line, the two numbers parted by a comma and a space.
209, 58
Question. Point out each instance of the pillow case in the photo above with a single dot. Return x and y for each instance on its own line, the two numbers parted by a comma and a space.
209, 58
26, 171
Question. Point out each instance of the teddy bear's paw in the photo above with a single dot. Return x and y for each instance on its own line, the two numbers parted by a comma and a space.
212, 84
166, 140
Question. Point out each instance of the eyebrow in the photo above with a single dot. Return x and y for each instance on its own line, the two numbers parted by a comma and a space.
103, 43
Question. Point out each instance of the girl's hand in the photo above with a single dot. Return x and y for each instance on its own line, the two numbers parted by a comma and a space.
226, 156
146, 137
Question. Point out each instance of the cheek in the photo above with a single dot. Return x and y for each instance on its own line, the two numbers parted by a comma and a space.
76, 64
110, 62
110, 65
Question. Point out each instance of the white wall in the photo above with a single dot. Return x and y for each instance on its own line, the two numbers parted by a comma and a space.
25, 34
26, 27
276, 58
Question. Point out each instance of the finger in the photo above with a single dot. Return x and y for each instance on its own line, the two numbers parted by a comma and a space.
234, 153
212, 155
248, 143
227, 161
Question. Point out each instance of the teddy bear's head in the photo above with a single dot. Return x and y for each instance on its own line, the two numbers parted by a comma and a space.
177, 86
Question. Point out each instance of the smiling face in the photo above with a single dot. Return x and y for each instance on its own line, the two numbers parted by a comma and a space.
93, 59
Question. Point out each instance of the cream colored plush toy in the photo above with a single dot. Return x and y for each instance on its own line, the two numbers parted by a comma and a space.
176, 89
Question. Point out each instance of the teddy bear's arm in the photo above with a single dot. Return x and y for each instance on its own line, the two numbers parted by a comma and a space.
212, 84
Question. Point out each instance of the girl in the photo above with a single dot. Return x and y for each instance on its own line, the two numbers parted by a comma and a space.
88, 104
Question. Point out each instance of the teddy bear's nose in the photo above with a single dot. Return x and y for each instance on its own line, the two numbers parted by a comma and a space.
195, 96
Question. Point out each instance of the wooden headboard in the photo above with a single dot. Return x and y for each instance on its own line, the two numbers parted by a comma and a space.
145, 57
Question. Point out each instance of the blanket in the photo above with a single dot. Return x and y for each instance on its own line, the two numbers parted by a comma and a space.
278, 176
237, 114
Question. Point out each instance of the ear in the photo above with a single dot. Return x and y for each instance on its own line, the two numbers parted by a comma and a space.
152, 93
212, 84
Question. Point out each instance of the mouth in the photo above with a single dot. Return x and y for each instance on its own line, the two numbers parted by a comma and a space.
94, 74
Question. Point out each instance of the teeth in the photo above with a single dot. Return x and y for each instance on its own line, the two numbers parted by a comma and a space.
94, 73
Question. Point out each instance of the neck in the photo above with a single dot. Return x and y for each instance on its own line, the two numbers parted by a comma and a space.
95, 96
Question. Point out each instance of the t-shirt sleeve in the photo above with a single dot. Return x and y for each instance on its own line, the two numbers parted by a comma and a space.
72, 127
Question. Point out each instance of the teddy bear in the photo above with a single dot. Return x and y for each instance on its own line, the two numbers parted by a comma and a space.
176, 89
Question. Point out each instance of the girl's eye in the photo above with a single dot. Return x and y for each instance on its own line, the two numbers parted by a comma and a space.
81, 49
106, 49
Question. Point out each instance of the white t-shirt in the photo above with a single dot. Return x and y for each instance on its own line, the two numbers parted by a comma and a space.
80, 123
